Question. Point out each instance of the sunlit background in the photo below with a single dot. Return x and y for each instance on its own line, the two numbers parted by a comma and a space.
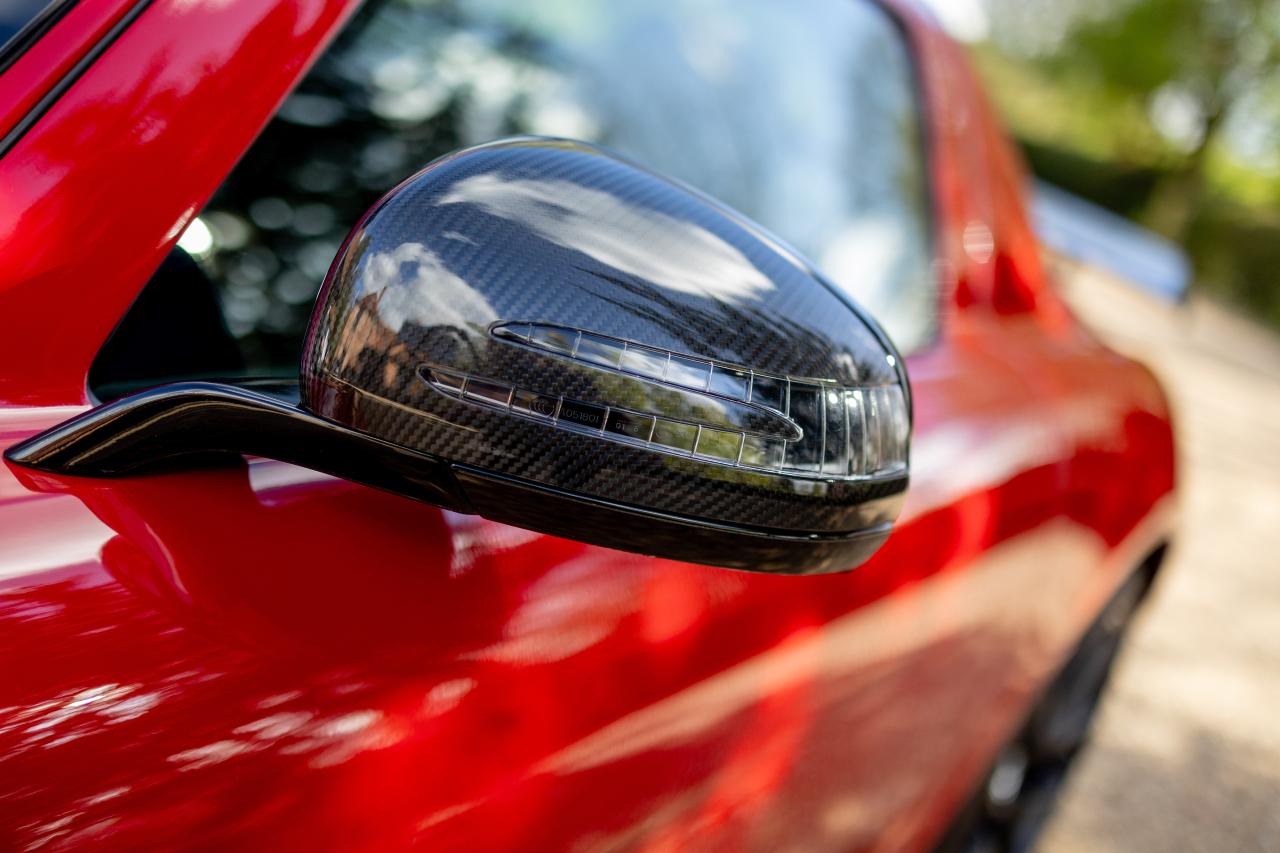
1167, 112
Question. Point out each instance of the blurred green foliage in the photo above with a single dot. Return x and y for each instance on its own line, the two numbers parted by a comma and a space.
1166, 111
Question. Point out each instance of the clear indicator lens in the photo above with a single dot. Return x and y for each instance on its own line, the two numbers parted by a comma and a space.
770, 391
846, 432
635, 427
688, 372
835, 445
645, 362
730, 382
492, 392
841, 432
554, 339
599, 350
853, 410
895, 428
761, 452
675, 435
719, 444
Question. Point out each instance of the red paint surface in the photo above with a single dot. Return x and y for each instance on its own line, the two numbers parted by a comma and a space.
265, 657
43, 64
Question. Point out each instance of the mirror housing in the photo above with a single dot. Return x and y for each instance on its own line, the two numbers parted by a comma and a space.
545, 334
609, 356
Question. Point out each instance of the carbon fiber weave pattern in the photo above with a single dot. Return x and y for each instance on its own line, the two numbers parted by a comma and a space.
564, 234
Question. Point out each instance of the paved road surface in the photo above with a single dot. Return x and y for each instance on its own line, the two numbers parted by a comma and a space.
1186, 752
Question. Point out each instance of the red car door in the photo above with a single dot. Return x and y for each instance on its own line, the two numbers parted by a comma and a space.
261, 656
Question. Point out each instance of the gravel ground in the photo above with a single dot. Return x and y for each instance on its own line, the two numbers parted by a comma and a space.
1185, 754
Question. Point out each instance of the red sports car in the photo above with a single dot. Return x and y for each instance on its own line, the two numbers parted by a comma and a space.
416, 435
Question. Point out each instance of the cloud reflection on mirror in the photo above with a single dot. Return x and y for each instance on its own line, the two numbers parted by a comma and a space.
628, 237
412, 285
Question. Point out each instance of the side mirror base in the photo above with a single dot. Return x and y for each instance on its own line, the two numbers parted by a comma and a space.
187, 423
192, 422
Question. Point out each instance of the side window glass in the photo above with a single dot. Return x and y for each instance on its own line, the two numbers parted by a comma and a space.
804, 116
17, 16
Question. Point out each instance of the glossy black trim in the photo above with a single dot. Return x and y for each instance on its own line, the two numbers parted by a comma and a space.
647, 531
191, 422
58, 89
31, 32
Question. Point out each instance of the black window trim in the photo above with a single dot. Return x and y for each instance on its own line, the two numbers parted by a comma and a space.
32, 31
58, 89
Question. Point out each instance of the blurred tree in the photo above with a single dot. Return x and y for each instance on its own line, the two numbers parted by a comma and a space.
1192, 67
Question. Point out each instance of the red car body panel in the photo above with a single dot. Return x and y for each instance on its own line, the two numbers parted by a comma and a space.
33, 74
266, 657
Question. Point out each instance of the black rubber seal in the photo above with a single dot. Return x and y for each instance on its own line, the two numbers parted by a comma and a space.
60, 88
31, 32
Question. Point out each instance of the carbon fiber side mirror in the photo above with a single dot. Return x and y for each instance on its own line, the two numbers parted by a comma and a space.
606, 355
545, 334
